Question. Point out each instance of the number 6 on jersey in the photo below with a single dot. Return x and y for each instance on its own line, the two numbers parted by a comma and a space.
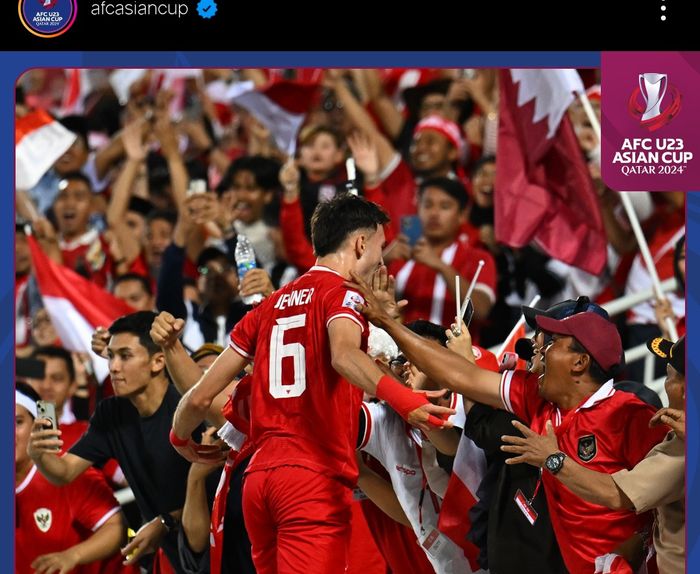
279, 350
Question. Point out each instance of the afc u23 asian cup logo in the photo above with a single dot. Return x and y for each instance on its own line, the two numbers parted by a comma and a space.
655, 102
47, 18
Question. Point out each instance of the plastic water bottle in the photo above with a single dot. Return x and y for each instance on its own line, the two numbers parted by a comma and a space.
245, 261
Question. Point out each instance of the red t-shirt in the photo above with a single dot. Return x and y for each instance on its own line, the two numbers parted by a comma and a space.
52, 518
426, 291
608, 432
90, 256
303, 412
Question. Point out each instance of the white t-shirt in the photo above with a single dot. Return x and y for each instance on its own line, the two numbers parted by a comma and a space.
412, 466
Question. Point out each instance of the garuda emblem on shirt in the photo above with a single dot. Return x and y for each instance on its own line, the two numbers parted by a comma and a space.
587, 447
42, 517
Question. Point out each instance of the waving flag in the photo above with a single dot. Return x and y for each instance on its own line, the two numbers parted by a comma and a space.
468, 471
39, 142
281, 107
76, 306
544, 192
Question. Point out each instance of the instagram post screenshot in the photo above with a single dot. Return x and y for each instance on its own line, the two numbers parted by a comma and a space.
299, 309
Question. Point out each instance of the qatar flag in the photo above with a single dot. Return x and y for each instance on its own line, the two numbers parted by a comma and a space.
467, 472
76, 306
280, 106
39, 142
544, 192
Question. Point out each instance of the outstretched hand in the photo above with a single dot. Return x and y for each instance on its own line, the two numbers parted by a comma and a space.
671, 417
532, 448
428, 417
380, 306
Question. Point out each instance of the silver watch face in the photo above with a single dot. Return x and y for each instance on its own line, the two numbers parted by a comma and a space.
553, 462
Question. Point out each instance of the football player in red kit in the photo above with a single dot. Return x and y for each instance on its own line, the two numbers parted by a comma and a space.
308, 342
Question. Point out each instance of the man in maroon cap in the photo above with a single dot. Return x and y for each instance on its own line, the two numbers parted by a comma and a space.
575, 394
657, 482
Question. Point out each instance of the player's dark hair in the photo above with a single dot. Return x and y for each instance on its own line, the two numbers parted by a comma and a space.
333, 221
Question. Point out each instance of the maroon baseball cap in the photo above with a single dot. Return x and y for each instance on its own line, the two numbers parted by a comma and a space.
597, 335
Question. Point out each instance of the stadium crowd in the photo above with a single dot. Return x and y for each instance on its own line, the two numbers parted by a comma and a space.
238, 291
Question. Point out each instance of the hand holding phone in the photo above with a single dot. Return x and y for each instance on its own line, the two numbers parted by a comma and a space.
47, 410
468, 312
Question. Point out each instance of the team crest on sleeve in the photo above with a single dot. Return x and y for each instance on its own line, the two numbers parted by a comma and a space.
42, 517
587, 447
352, 299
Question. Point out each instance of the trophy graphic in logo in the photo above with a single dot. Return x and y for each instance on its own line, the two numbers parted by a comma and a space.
645, 102
47, 18
653, 88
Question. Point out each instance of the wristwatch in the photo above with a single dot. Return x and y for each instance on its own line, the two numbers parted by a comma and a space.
168, 521
554, 462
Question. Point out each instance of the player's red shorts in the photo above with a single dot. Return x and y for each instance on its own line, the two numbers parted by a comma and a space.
298, 521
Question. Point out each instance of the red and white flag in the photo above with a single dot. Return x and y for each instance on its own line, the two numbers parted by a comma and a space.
281, 107
544, 192
39, 142
76, 306
78, 87
467, 472
122, 79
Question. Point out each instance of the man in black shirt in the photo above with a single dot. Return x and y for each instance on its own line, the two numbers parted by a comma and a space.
132, 427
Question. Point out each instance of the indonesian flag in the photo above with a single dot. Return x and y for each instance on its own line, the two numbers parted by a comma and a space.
468, 471
281, 107
39, 142
76, 306
121, 81
544, 191
78, 87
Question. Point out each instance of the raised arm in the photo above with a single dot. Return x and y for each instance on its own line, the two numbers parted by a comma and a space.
121, 191
446, 368
360, 370
195, 404
185, 373
42, 448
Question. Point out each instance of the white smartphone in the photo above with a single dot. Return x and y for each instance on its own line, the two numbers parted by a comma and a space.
47, 410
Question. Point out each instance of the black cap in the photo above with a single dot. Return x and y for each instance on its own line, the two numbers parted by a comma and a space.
562, 310
668, 352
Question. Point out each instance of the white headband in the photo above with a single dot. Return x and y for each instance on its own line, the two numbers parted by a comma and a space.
26, 402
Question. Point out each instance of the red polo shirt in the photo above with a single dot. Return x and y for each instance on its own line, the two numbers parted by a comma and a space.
608, 432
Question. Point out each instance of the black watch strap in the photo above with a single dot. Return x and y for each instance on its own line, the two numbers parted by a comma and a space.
555, 462
168, 521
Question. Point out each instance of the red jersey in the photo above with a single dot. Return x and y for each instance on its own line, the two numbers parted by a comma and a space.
303, 413
608, 432
52, 518
396, 192
90, 256
426, 290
